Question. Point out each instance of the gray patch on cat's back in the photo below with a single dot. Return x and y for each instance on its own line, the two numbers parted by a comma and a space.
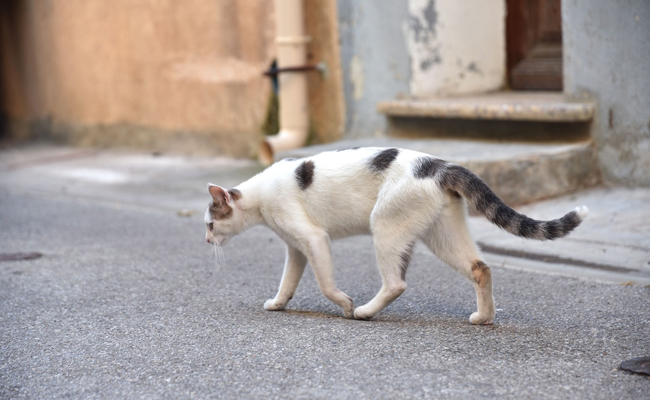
428, 167
382, 161
305, 174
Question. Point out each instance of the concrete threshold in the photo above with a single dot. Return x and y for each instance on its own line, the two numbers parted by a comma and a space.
512, 106
519, 173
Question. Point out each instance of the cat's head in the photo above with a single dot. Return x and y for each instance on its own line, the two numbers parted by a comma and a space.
223, 216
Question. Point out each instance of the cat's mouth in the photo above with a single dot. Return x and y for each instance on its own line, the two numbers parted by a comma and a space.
219, 240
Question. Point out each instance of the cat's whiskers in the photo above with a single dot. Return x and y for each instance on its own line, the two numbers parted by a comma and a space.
219, 257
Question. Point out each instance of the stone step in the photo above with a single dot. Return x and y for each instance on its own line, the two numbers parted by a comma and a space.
519, 173
518, 116
508, 106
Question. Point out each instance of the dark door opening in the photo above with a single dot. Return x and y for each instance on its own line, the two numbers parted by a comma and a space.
534, 44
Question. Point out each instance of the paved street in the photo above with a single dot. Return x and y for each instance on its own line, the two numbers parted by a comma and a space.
127, 301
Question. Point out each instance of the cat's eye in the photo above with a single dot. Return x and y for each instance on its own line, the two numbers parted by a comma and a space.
210, 226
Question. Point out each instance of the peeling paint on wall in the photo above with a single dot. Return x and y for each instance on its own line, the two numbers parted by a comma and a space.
421, 28
472, 67
441, 33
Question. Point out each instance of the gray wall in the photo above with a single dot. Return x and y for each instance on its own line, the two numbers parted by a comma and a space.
607, 59
375, 61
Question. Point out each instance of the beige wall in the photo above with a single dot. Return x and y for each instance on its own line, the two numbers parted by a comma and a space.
326, 100
156, 74
146, 73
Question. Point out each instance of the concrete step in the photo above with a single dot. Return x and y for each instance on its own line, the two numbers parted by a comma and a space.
519, 173
521, 116
513, 106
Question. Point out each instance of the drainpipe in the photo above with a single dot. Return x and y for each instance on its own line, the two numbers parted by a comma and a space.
294, 118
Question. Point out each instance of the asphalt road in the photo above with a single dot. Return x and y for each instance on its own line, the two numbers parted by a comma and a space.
128, 303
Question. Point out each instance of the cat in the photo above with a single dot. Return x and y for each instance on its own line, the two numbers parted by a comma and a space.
399, 196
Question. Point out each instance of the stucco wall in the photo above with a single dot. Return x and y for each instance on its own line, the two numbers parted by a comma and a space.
607, 59
456, 47
392, 49
374, 59
325, 91
145, 73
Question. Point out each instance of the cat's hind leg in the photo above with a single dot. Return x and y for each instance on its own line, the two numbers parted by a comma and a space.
294, 267
450, 239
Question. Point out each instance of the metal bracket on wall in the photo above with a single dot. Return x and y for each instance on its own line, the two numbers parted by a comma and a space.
320, 67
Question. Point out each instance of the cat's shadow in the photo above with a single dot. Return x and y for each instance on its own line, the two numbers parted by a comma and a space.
313, 314
389, 318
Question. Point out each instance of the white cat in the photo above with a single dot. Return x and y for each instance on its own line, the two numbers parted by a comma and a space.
399, 196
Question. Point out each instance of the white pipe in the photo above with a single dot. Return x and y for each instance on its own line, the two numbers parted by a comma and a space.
292, 52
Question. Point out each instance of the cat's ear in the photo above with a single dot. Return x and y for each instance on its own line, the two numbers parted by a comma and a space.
219, 194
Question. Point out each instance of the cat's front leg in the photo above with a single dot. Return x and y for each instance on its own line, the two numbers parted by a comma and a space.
320, 258
294, 267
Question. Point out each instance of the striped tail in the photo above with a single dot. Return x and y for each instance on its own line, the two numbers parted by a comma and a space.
461, 180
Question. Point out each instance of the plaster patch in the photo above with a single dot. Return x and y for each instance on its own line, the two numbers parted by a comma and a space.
213, 70
357, 77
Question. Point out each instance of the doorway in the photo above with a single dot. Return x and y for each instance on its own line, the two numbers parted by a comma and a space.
534, 44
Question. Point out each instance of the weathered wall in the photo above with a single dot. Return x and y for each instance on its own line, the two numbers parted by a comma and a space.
325, 91
421, 48
456, 47
148, 73
607, 59
374, 60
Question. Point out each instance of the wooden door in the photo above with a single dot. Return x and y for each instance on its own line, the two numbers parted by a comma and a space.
534, 44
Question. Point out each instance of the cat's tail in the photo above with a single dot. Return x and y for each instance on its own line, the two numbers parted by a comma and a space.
471, 187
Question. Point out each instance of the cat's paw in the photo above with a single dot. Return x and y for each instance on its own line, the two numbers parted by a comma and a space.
348, 312
272, 305
477, 319
348, 308
343, 300
363, 313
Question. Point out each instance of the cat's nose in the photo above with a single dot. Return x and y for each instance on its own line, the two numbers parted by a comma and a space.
207, 240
